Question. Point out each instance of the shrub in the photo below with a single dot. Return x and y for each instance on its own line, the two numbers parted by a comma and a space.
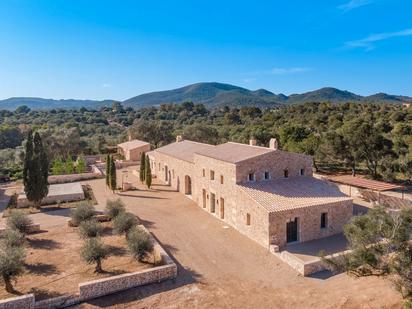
83, 212
19, 221
94, 251
12, 238
114, 208
139, 243
11, 264
13, 201
90, 228
123, 223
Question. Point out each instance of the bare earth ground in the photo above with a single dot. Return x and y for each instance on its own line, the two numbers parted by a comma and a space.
220, 268
54, 266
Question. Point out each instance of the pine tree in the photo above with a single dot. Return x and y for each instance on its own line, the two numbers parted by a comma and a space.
113, 182
108, 164
36, 170
148, 173
142, 167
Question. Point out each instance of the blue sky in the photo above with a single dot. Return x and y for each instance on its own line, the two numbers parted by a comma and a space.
119, 49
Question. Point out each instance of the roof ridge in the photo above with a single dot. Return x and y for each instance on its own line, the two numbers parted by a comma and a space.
255, 146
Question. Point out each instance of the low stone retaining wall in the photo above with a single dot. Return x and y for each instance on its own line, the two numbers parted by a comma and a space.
19, 302
95, 173
306, 268
101, 287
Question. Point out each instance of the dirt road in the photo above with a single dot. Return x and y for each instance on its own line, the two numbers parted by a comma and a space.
220, 268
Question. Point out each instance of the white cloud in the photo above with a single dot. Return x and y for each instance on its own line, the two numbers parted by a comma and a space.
106, 85
368, 42
353, 4
293, 70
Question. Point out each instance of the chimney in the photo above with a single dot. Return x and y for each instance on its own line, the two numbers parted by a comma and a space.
273, 143
129, 136
179, 138
252, 142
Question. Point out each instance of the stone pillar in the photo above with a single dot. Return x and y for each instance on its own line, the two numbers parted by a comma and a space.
179, 138
252, 142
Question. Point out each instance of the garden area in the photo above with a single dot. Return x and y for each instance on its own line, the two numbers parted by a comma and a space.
54, 262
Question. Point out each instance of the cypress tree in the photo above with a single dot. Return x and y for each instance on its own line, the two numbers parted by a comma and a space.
142, 167
36, 170
108, 164
148, 173
27, 168
113, 180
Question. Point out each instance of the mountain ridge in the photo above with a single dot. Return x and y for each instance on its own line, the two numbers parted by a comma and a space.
212, 94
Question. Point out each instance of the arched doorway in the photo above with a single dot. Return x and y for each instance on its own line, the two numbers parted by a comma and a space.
188, 185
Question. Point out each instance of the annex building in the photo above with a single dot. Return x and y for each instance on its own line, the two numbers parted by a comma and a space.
265, 193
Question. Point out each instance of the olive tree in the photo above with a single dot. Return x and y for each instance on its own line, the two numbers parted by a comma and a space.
94, 251
139, 243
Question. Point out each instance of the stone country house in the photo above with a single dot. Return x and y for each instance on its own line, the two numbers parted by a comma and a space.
133, 149
267, 194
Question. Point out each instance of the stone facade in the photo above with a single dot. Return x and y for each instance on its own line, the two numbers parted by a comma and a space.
215, 182
132, 150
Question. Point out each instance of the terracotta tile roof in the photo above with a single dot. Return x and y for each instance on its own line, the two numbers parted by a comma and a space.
364, 183
132, 144
292, 193
184, 150
234, 152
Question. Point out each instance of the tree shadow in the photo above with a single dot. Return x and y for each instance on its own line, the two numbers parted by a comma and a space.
141, 196
43, 243
146, 223
116, 251
42, 269
41, 294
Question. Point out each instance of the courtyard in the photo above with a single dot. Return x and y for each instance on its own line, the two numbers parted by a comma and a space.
219, 267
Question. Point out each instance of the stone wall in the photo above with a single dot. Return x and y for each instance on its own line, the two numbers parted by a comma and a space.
19, 302
175, 169
96, 173
275, 163
339, 213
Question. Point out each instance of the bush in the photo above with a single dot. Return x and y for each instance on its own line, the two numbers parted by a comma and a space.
12, 238
114, 208
94, 251
11, 264
123, 223
139, 243
83, 212
90, 228
19, 221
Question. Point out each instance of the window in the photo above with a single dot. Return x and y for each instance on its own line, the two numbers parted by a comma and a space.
267, 175
286, 173
212, 175
247, 219
173, 174
159, 166
204, 173
324, 220
251, 177
221, 179
302, 171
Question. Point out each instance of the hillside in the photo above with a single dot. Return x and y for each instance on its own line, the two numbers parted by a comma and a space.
210, 94
217, 94
213, 95
40, 103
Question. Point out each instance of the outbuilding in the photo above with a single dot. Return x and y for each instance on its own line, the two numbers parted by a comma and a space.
132, 150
